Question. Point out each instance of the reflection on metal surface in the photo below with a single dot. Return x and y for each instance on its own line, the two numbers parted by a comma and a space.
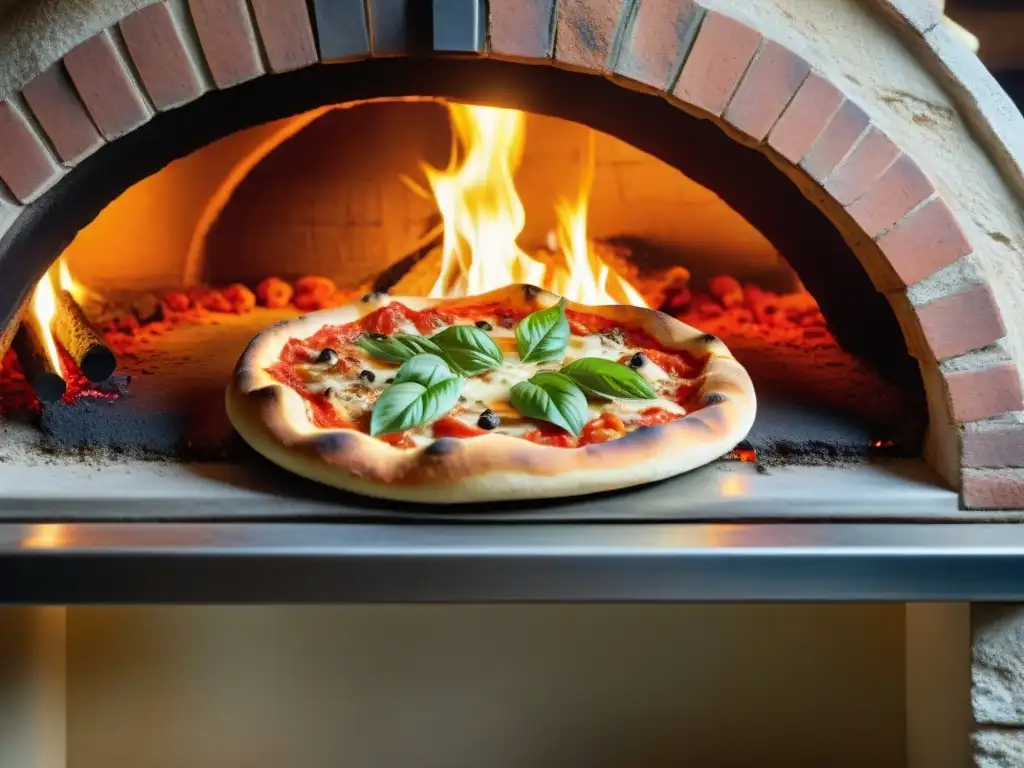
51, 536
730, 486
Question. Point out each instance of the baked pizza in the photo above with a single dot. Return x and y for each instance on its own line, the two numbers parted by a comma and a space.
513, 394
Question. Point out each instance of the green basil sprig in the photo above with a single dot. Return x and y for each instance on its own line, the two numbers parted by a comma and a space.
468, 350
607, 378
425, 389
551, 397
425, 369
543, 336
397, 348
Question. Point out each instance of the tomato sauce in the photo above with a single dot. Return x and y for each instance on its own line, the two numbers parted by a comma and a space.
324, 414
653, 416
549, 434
389, 319
449, 426
605, 427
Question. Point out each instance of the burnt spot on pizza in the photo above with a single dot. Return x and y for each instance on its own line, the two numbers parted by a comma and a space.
443, 446
531, 292
714, 398
373, 296
267, 394
329, 443
367, 375
708, 339
637, 360
483, 325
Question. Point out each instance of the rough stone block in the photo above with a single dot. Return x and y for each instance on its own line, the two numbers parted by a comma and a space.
106, 86
9, 210
586, 31
997, 749
287, 33
997, 667
228, 39
993, 445
773, 78
460, 26
341, 29
984, 392
962, 321
897, 192
808, 114
993, 489
924, 242
657, 40
157, 47
720, 55
836, 141
53, 100
523, 30
26, 165
865, 164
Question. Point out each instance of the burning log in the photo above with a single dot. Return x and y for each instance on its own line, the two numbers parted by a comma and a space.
81, 341
45, 379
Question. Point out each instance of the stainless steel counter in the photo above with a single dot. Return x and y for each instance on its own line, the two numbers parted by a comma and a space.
309, 563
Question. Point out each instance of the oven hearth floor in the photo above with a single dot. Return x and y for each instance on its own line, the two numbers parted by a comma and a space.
57, 488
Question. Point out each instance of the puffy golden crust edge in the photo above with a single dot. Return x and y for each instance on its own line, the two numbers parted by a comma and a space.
272, 419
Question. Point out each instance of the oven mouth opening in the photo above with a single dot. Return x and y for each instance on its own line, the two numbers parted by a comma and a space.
827, 396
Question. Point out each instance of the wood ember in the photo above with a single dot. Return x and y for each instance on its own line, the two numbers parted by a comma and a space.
38, 370
80, 340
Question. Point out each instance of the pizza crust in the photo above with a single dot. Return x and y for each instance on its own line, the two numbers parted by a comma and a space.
272, 419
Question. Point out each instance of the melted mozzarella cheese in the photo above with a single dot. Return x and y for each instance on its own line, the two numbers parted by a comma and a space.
353, 396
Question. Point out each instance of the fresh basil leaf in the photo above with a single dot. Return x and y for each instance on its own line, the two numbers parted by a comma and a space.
397, 348
551, 397
468, 350
606, 378
408, 405
544, 335
425, 370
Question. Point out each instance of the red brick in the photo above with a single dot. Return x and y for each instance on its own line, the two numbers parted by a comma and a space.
287, 33
53, 100
984, 392
26, 165
862, 167
157, 48
843, 131
586, 30
924, 242
994, 445
717, 61
774, 76
656, 39
522, 29
228, 40
899, 190
808, 114
993, 489
968, 319
106, 87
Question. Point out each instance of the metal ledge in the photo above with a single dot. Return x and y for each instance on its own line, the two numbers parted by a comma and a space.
317, 563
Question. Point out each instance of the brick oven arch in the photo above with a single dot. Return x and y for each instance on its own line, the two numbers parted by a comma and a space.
103, 94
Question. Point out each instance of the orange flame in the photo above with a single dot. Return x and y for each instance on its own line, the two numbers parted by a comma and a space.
484, 215
44, 307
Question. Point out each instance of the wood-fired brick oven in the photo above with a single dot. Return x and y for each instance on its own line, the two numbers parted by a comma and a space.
862, 140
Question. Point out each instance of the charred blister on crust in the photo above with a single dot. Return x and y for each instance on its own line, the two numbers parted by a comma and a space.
709, 339
443, 446
332, 443
714, 398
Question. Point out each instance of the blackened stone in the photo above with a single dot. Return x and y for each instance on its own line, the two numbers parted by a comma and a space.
110, 424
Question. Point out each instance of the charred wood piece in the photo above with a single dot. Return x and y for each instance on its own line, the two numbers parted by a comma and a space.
80, 340
45, 380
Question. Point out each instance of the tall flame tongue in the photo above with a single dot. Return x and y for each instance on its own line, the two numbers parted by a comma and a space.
483, 217
44, 307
